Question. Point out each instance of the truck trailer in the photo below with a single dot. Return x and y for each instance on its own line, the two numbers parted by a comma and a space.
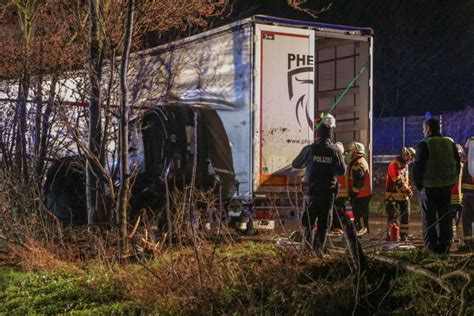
237, 104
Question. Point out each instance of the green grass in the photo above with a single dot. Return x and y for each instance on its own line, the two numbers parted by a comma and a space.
54, 293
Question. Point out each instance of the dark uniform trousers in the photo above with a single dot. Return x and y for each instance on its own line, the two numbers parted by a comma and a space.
400, 209
468, 219
360, 207
435, 204
319, 206
340, 208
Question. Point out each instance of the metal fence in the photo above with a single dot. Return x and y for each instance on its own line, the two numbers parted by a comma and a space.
392, 133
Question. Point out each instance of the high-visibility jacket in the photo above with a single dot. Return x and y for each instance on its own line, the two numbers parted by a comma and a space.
456, 194
441, 167
397, 184
359, 178
343, 191
467, 181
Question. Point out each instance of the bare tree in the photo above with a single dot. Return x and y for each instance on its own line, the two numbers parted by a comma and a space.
26, 10
123, 134
95, 125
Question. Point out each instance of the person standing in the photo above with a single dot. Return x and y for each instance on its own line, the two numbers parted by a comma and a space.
398, 191
468, 209
323, 162
456, 196
360, 191
435, 170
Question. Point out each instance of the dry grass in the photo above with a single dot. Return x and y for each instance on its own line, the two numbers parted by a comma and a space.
183, 269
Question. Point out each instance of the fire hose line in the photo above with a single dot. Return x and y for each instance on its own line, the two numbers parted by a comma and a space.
340, 96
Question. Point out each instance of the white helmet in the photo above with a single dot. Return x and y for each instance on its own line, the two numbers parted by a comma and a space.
357, 148
408, 153
328, 119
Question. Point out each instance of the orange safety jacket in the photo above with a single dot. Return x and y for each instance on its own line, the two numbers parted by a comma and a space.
343, 191
456, 194
397, 183
467, 181
359, 173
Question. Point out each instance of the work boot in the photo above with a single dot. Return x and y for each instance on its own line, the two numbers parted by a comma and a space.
362, 231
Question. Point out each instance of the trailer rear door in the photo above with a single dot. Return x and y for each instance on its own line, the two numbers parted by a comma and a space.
339, 58
283, 104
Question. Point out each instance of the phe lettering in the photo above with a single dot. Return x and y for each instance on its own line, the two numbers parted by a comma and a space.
299, 60
322, 159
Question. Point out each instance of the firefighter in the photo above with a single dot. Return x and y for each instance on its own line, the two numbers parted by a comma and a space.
435, 170
468, 208
456, 196
323, 162
398, 191
360, 191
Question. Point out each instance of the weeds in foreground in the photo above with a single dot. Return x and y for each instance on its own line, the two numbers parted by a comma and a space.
193, 271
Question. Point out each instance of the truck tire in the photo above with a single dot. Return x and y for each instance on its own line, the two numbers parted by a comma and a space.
65, 190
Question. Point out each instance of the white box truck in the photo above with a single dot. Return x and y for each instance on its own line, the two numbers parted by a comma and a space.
239, 102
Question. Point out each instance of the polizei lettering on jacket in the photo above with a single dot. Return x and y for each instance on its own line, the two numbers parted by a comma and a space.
300, 70
322, 159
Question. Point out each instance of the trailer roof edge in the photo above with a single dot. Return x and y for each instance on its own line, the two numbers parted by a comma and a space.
324, 27
316, 25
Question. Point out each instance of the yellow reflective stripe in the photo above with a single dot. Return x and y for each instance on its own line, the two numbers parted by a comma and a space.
342, 193
467, 186
404, 225
467, 237
456, 199
396, 196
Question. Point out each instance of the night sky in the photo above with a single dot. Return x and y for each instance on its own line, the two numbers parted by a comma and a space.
423, 50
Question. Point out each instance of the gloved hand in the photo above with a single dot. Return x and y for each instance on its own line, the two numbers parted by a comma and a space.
407, 192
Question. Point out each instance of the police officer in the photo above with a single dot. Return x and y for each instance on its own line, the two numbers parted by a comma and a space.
435, 170
323, 162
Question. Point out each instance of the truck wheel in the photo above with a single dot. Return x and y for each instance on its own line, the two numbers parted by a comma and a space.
250, 230
64, 191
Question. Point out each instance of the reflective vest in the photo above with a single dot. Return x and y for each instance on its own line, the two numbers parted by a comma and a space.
343, 191
467, 181
440, 168
456, 194
397, 184
360, 167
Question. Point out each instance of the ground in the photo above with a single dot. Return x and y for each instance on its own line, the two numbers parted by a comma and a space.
378, 229
244, 278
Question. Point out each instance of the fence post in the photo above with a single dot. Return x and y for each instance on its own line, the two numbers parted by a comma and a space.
441, 124
403, 130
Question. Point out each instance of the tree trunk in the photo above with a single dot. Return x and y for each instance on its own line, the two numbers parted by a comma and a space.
45, 125
38, 119
124, 191
95, 73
